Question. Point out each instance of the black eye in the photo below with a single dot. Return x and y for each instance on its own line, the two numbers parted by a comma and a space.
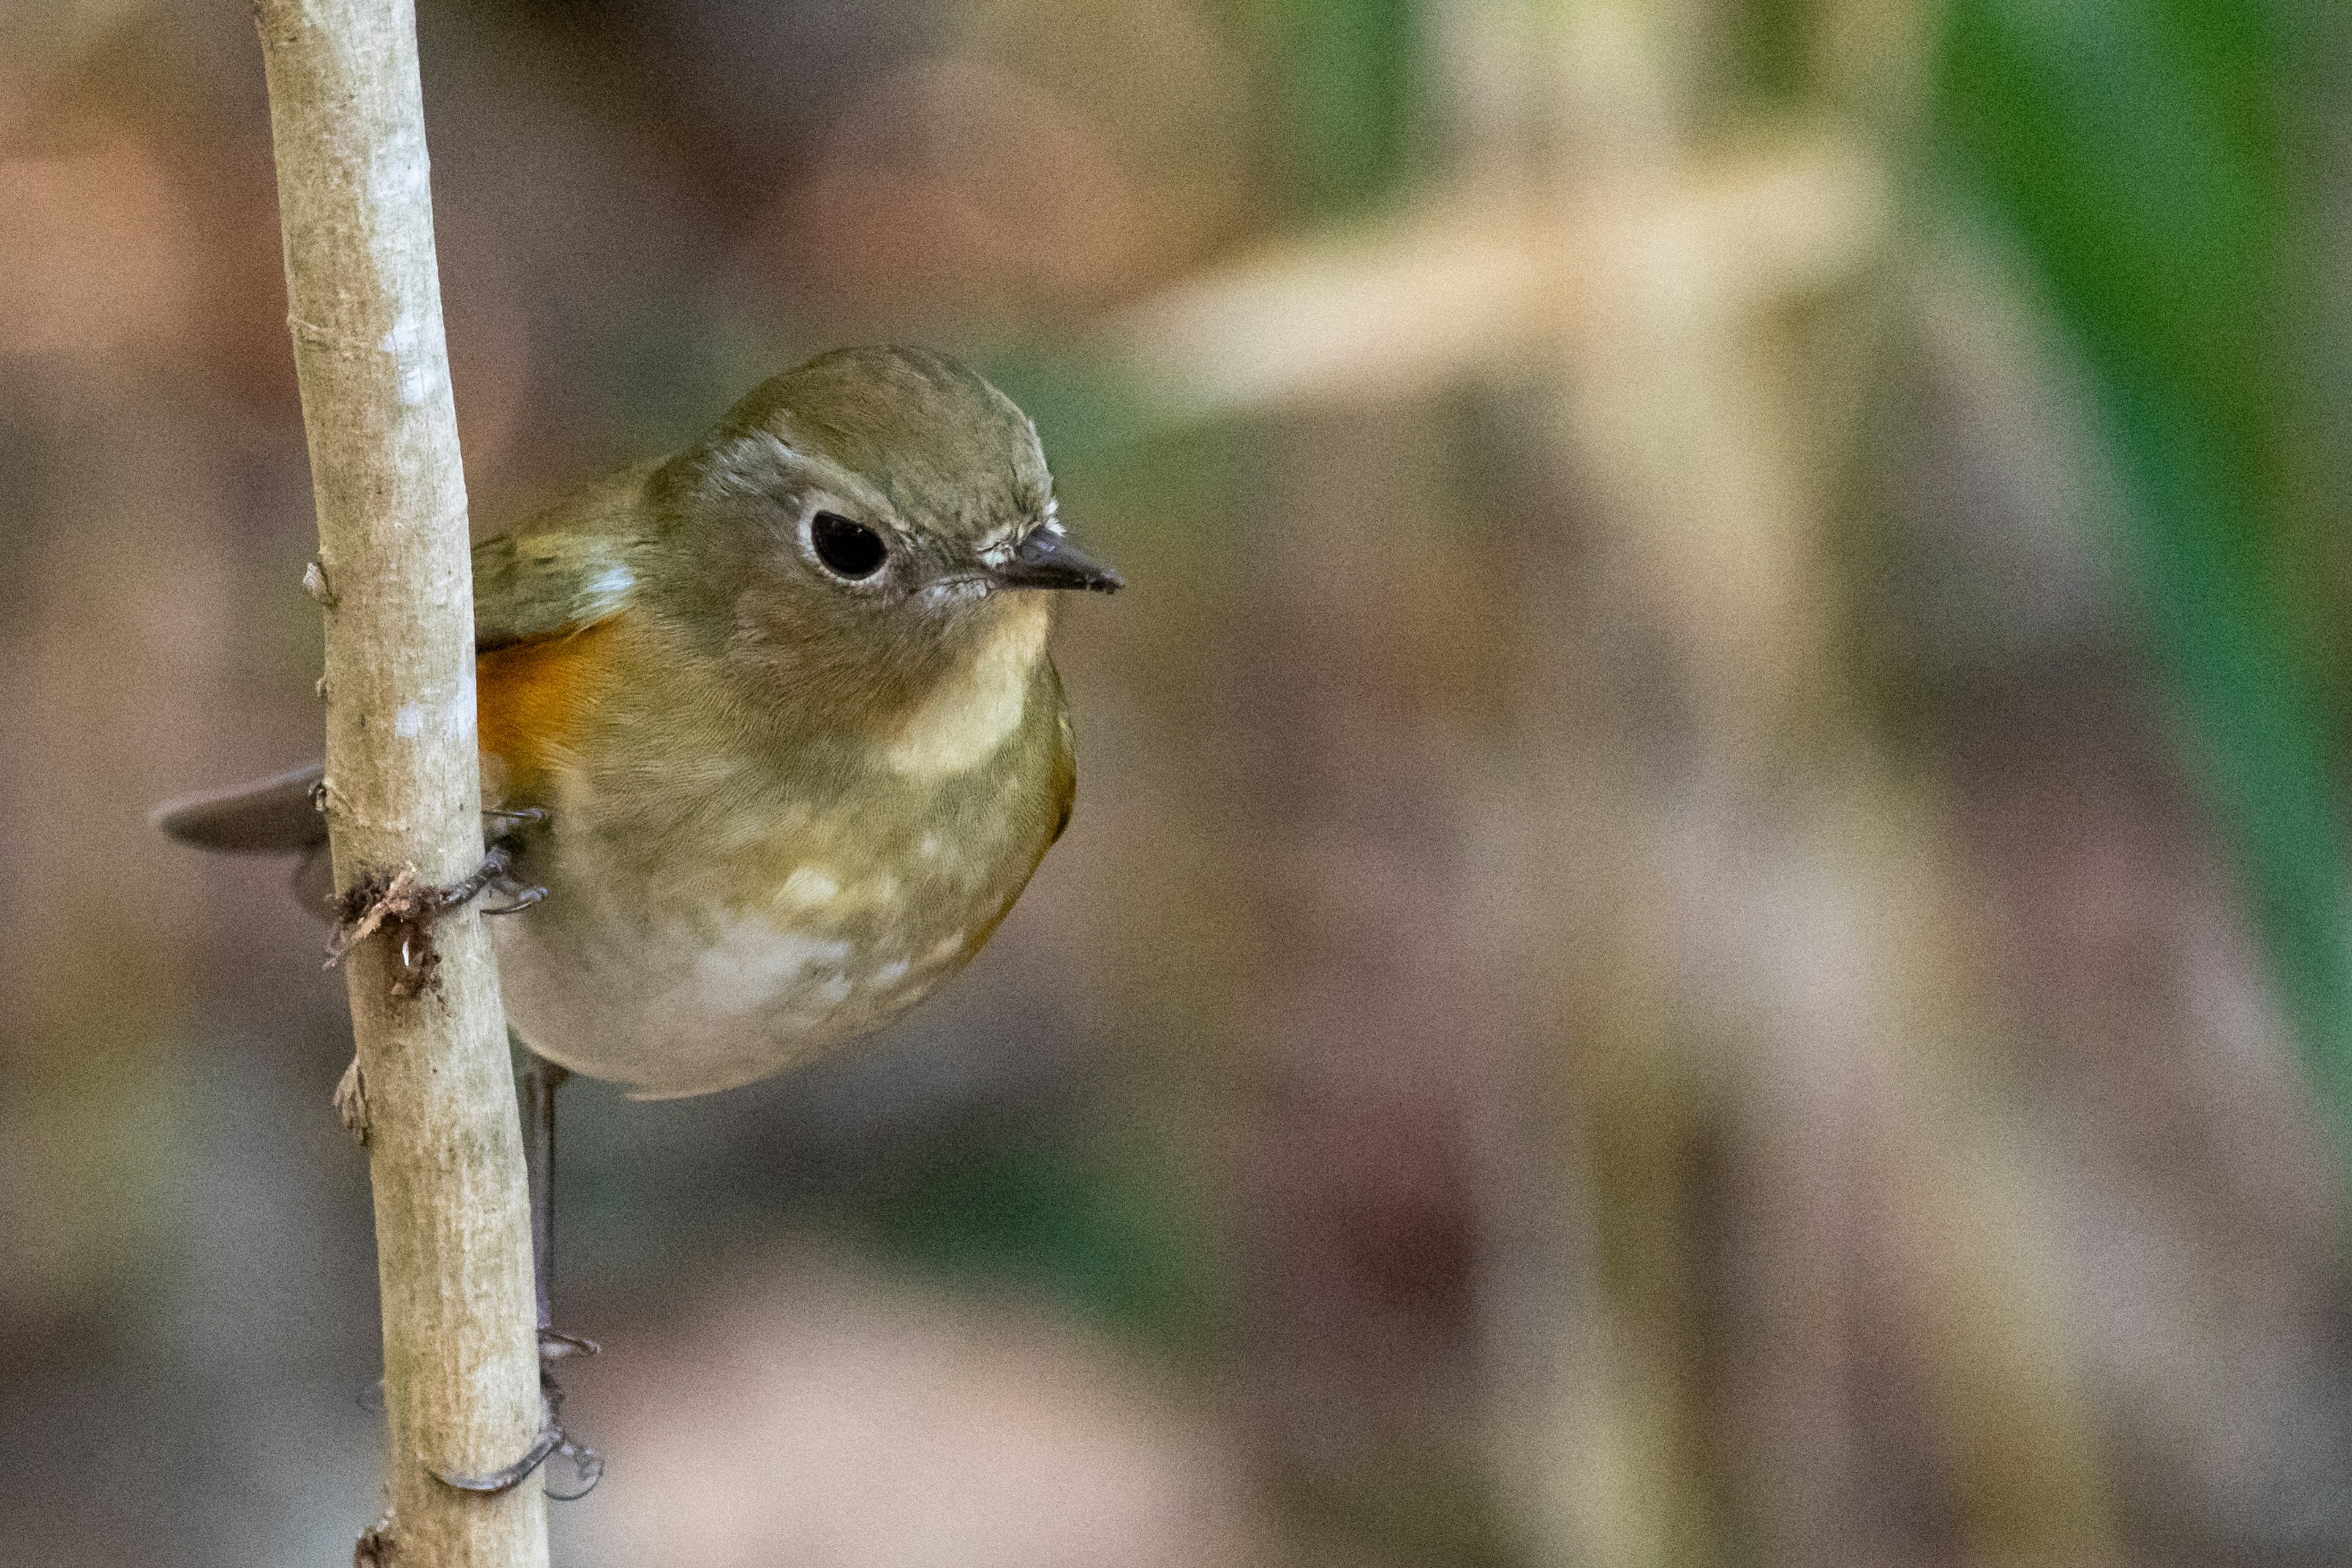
850, 549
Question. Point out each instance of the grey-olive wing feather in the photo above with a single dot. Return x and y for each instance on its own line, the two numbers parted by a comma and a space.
565, 569
530, 586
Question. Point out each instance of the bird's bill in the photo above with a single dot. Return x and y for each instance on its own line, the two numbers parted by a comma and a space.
1047, 559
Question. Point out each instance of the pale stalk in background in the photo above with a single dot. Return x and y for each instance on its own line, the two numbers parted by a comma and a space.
453, 1233
1763, 979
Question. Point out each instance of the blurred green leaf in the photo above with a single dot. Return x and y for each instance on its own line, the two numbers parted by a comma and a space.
1348, 74
2140, 151
1087, 1225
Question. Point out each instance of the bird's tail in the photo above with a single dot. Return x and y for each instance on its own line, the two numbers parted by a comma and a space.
272, 815
277, 815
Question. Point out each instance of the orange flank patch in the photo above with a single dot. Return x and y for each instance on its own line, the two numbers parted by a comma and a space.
531, 698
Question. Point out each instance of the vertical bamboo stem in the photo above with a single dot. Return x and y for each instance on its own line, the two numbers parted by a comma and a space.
403, 790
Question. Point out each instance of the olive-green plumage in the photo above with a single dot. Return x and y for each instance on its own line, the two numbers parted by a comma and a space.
786, 702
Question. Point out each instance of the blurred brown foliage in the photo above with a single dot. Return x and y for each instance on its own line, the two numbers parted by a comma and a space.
1637, 979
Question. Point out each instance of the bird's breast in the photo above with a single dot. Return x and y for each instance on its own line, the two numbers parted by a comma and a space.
737, 918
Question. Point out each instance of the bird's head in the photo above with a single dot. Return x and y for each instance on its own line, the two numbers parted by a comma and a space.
867, 523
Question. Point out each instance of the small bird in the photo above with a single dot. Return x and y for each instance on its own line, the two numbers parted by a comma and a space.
772, 720
770, 734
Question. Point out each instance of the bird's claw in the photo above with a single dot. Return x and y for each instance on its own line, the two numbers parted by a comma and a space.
552, 1442
587, 1469
496, 865
522, 899
550, 1439
497, 870
511, 821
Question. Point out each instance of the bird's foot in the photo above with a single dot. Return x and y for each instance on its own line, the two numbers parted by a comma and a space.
351, 1104
408, 907
497, 870
500, 824
585, 1466
520, 897
504, 822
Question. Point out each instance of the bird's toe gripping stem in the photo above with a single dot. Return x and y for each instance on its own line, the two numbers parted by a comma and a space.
587, 1468
553, 1442
497, 870
409, 907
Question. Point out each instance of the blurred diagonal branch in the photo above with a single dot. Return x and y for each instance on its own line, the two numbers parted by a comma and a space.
1476, 279
403, 791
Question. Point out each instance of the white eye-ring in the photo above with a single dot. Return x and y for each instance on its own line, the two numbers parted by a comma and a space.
845, 547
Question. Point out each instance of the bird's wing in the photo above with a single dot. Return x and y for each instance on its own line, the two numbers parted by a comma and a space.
528, 587
563, 572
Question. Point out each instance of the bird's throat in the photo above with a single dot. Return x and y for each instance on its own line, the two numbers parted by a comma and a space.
978, 705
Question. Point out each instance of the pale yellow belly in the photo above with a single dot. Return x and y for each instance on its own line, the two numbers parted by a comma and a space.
676, 988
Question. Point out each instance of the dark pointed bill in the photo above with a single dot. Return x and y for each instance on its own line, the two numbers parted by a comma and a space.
1046, 560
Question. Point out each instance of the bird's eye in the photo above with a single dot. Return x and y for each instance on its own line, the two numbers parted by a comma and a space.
847, 549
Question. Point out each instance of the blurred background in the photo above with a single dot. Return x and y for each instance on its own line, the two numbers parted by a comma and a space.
1707, 919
